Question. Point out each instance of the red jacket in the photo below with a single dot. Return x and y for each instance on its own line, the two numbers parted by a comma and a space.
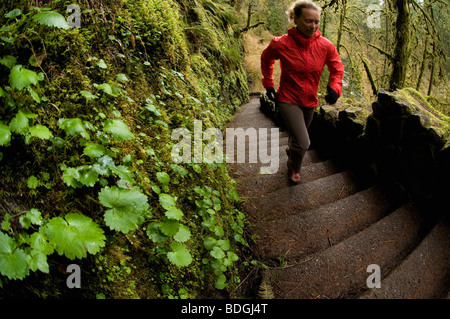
302, 60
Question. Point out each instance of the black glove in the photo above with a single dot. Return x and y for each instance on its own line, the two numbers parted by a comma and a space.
332, 96
271, 94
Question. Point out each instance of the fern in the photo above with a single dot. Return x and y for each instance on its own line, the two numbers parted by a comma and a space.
265, 290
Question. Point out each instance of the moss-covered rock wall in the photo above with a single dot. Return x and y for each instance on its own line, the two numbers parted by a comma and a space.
400, 138
86, 116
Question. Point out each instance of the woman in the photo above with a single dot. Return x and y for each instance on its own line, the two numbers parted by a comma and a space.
302, 52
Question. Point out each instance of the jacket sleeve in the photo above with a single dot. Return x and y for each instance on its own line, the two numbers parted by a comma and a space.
268, 58
336, 69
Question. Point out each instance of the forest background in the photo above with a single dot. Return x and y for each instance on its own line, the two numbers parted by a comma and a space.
376, 43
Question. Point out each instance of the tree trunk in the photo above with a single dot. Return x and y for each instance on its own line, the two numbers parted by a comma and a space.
433, 69
423, 64
369, 75
401, 55
341, 25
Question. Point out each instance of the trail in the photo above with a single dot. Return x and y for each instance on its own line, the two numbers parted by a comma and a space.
332, 235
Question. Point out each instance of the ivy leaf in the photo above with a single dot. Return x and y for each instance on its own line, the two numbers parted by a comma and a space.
19, 124
180, 255
32, 217
41, 132
88, 95
13, 14
121, 77
118, 129
154, 233
101, 64
127, 208
163, 178
13, 260
73, 126
5, 135
51, 19
105, 87
174, 213
75, 235
232, 256
70, 176
38, 260
32, 182
9, 61
94, 150
183, 234
86, 175
221, 281
209, 242
179, 170
33, 94
223, 244
217, 252
20, 77
39, 242
169, 227
126, 176
167, 201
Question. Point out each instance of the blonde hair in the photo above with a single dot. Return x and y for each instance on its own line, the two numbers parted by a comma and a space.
295, 10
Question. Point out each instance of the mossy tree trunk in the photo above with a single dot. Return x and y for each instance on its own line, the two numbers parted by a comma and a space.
341, 24
401, 52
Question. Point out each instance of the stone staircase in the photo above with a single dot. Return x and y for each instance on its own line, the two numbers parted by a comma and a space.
318, 238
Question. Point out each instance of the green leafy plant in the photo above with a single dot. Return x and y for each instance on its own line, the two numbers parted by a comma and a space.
180, 255
75, 235
128, 208
13, 260
118, 129
51, 19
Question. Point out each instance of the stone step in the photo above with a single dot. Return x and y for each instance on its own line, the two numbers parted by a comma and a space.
252, 121
298, 198
264, 184
248, 170
267, 141
315, 230
423, 274
341, 270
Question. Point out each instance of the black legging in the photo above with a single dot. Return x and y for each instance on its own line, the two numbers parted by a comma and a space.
297, 120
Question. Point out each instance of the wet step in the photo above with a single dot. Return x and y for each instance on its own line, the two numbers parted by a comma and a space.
317, 229
340, 271
423, 274
264, 184
293, 200
318, 238
248, 170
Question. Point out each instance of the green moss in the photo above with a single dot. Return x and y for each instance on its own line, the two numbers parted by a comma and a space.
429, 116
151, 43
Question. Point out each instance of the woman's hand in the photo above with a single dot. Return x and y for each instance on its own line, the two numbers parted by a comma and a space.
332, 96
271, 94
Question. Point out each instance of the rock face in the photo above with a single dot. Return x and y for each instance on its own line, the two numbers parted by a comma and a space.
403, 139
360, 224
